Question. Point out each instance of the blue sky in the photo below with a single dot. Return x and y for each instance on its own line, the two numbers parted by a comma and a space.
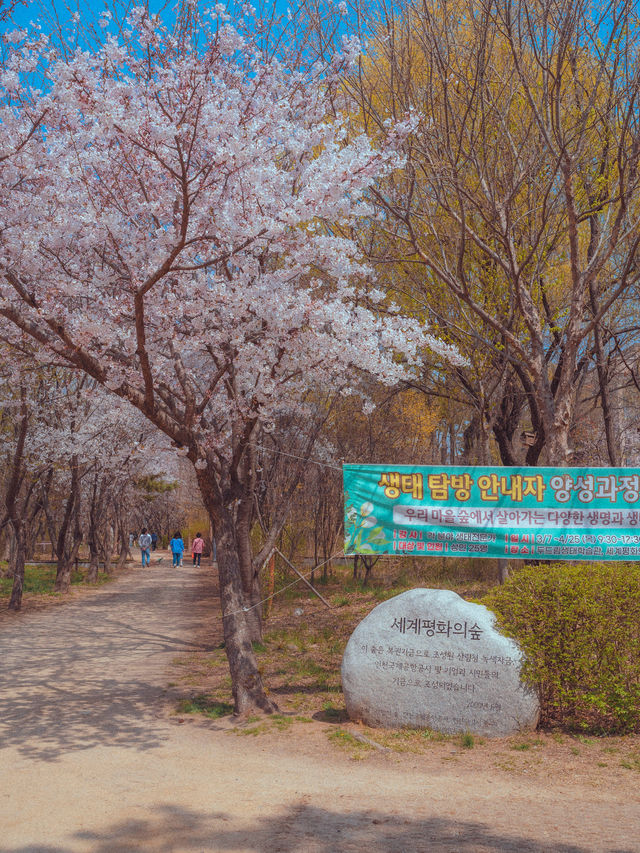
46, 12
32, 9
56, 18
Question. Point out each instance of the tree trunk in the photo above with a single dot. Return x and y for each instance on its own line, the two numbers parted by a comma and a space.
15, 514
558, 451
246, 682
63, 574
613, 445
94, 513
15, 602
369, 563
30, 543
69, 558
315, 550
63, 568
94, 563
108, 546
503, 570
250, 578
124, 546
45, 486
248, 690
10, 553
255, 620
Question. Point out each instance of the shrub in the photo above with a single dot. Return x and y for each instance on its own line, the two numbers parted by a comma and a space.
579, 628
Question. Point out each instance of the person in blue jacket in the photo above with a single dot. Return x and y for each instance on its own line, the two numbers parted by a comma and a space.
177, 549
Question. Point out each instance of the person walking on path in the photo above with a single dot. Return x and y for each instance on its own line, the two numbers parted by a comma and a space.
197, 546
177, 549
154, 541
144, 541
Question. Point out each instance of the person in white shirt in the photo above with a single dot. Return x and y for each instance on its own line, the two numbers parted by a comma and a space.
144, 541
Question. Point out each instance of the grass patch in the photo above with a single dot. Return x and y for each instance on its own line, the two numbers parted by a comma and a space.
381, 594
203, 704
255, 725
331, 714
253, 730
345, 740
415, 741
432, 735
280, 722
467, 740
402, 740
40, 580
307, 666
632, 762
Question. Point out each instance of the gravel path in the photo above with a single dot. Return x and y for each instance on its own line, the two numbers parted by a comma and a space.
92, 760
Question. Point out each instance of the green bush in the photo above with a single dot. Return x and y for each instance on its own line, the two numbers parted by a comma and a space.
579, 628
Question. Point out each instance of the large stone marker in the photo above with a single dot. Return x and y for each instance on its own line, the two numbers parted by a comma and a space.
427, 658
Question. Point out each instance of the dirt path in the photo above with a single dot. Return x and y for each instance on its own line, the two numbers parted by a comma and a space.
92, 760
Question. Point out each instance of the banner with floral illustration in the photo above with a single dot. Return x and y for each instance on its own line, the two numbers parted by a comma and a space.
519, 513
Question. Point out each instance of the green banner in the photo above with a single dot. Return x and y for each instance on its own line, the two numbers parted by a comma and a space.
517, 513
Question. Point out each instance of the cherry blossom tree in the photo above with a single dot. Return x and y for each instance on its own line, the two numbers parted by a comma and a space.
17, 492
67, 449
94, 445
166, 227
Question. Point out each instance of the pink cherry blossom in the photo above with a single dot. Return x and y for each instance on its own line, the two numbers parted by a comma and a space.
172, 223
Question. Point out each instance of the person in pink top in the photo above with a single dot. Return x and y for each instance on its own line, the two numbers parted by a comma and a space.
196, 547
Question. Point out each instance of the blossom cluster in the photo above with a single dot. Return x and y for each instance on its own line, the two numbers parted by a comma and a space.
175, 222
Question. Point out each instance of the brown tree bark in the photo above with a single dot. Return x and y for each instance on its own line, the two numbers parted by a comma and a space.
249, 573
248, 689
107, 548
15, 601
123, 553
503, 570
95, 513
68, 556
63, 569
16, 509
9, 551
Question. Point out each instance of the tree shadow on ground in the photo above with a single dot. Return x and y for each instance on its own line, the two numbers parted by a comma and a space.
97, 712
93, 672
305, 829
331, 715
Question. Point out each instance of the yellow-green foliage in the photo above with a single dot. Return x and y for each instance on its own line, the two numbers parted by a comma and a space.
579, 627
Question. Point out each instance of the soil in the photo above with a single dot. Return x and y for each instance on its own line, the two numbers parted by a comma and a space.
95, 756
